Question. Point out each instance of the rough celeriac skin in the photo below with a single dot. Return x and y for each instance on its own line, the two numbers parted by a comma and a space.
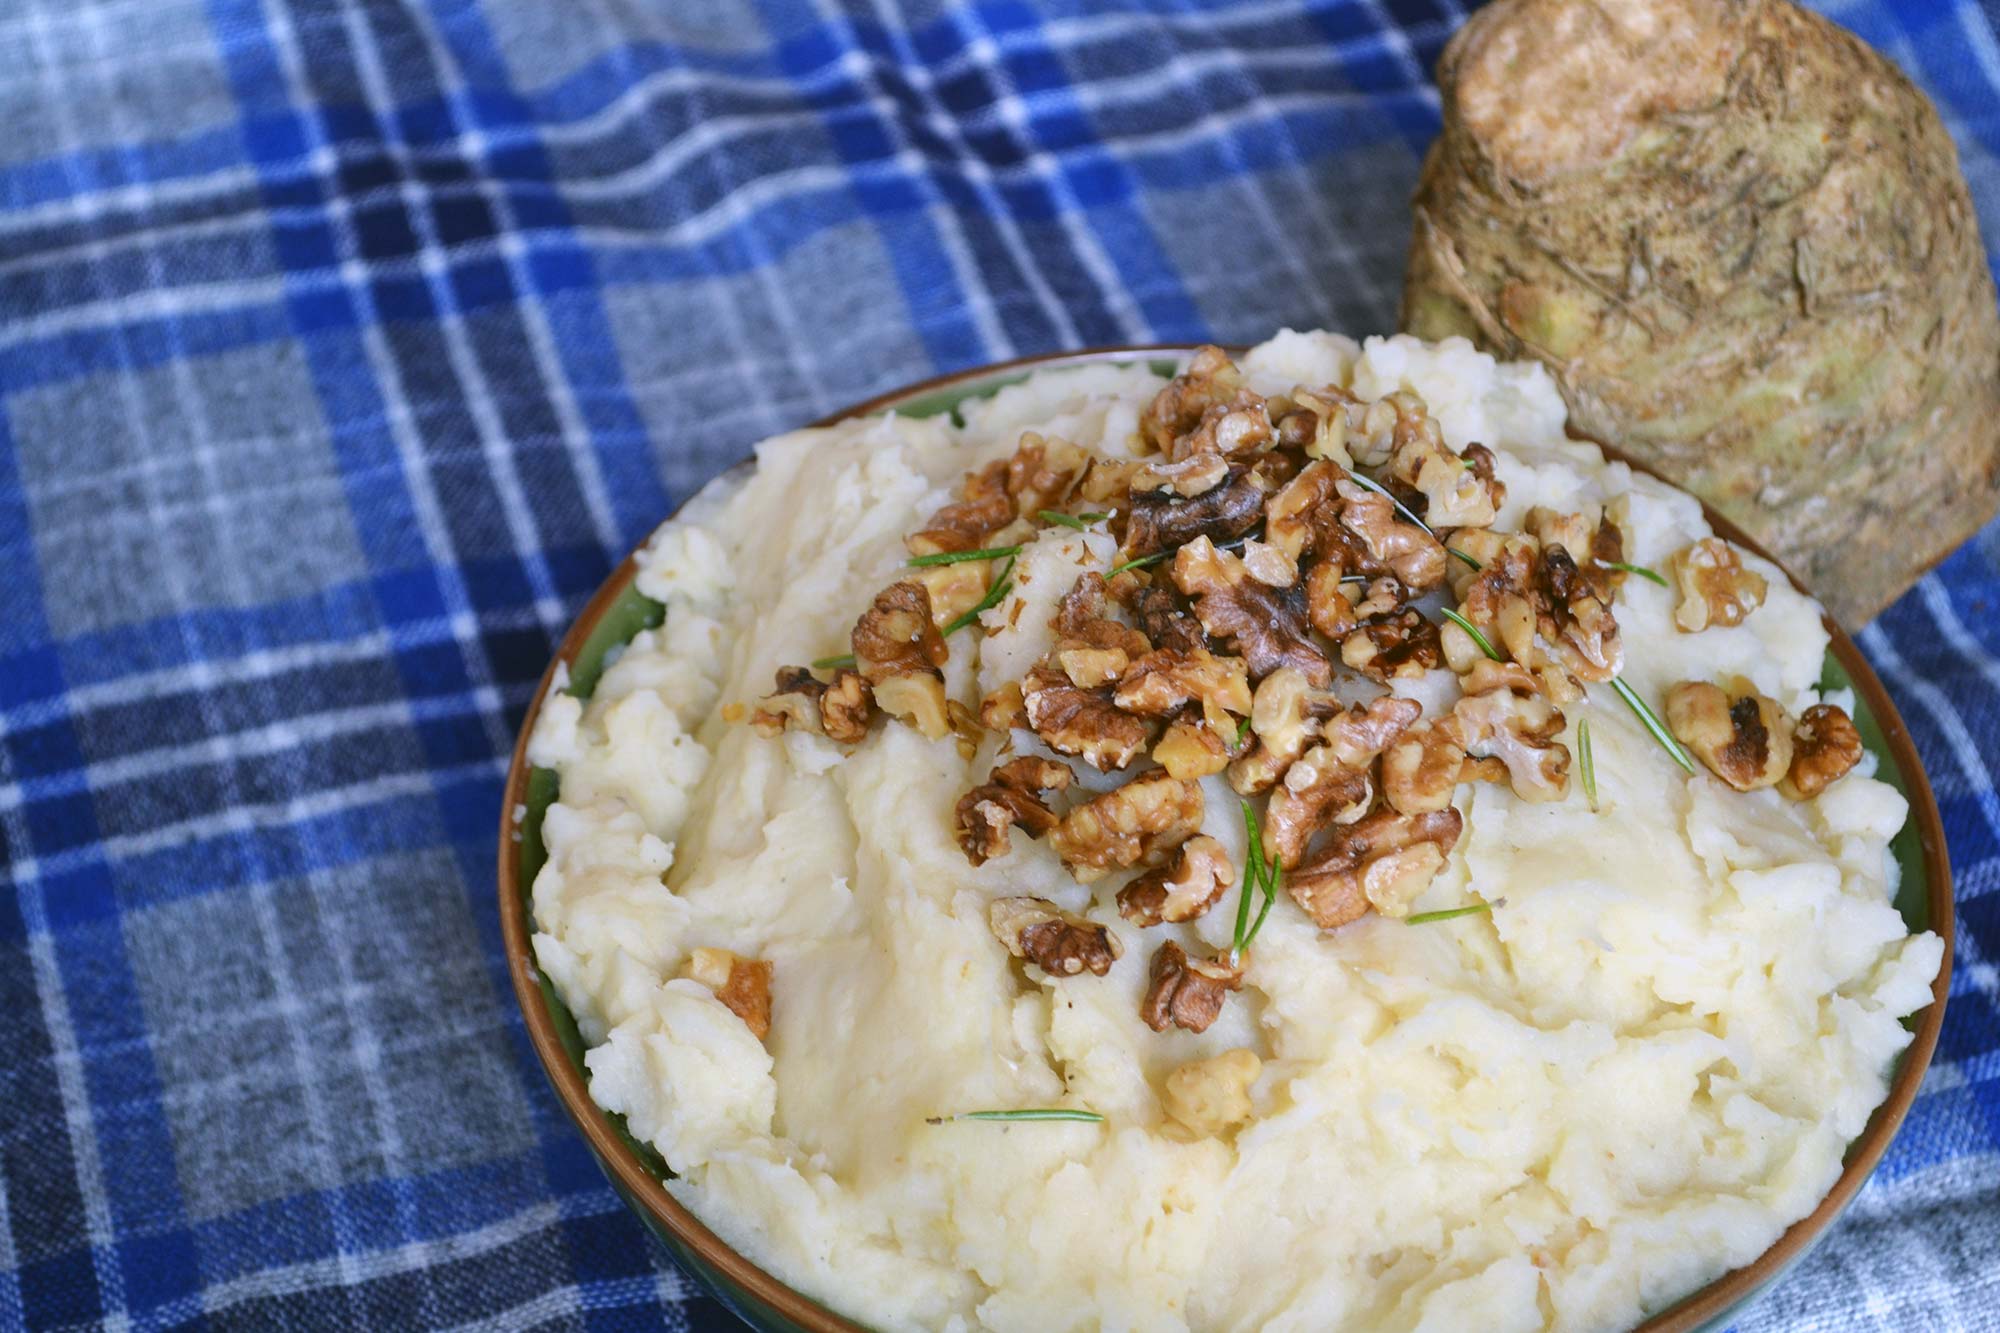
1629, 1077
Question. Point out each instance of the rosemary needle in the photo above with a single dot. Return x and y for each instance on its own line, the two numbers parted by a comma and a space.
1425, 918
1652, 723
833, 663
1026, 1113
998, 590
960, 557
1640, 570
1077, 521
1586, 762
1485, 644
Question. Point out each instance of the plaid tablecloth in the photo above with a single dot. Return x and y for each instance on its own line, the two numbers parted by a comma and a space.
343, 347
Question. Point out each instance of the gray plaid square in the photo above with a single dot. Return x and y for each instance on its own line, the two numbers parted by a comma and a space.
535, 38
203, 482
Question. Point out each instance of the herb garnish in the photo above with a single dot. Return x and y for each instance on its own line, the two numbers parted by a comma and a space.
1405, 511
833, 663
1653, 724
1242, 730
960, 557
1142, 562
1586, 762
1485, 645
1077, 521
1026, 1113
1640, 570
1001, 586
1425, 918
1259, 875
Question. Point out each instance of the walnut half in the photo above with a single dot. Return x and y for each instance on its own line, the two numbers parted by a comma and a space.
898, 651
1742, 737
1010, 798
742, 984
1714, 587
1137, 824
1200, 875
1825, 746
1056, 941
1185, 992
1384, 861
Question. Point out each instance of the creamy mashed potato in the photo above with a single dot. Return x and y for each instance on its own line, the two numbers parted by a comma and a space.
1629, 1077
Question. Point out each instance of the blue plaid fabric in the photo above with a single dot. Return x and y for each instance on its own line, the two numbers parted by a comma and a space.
344, 347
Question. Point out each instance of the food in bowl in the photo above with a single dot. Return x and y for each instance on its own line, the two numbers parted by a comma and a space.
1303, 845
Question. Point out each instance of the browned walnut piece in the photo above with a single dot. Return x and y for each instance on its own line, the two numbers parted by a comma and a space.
1740, 240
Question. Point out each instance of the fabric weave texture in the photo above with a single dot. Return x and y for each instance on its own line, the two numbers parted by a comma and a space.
345, 347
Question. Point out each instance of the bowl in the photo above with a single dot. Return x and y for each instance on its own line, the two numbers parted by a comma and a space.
618, 611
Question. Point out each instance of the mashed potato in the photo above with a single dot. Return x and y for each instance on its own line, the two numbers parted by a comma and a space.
1627, 1078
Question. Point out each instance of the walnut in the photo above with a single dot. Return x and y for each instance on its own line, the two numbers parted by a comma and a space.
1389, 647
846, 706
1302, 517
1187, 992
1715, 589
1197, 474
1825, 745
795, 703
1607, 548
1042, 472
984, 507
1241, 425
1455, 496
1159, 683
1088, 668
1200, 875
954, 589
1576, 620
1284, 716
1140, 823
1269, 565
1503, 713
1314, 421
1211, 378
1384, 861
1059, 943
1742, 737
1009, 798
1552, 527
1165, 619
1316, 790
1264, 624
742, 984
1422, 770
1189, 750
1160, 522
1328, 607
1389, 542
1004, 708
1085, 723
1083, 620
1108, 481
1482, 545
1206, 1098
1501, 598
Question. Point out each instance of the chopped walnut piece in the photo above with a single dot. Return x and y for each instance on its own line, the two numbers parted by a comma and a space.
1384, 861
1108, 480
1302, 517
1160, 522
795, 703
1197, 474
1200, 874
1825, 745
1574, 618
1503, 713
954, 589
1392, 647
1042, 472
1165, 618
1004, 708
1088, 668
1328, 607
1085, 723
1455, 496
1264, 624
1207, 1098
1552, 527
1742, 737
1058, 942
984, 507
1189, 750
1283, 718
1501, 597
1607, 548
1714, 587
1159, 683
1186, 992
1317, 790
846, 707
1240, 426
1422, 770
1388, 541
1139, 823
1481, 544
1211, 378
1315, 422
743, 985
1009, 798
1082, 619
1269, 565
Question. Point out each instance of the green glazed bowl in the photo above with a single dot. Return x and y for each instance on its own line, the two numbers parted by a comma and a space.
619, 611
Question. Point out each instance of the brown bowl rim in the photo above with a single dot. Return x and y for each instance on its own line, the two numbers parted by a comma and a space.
1690, 1313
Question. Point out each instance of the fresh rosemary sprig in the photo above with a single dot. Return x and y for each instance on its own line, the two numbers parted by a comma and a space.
999, 589
1259, 875
1404, 510
1485, 644
1143, 562
1586, 762
1640, 570
1077, 521
1425, 918
1652, 723
961, 557
833, 663
1026, 1113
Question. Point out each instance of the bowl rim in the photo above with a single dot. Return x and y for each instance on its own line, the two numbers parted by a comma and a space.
1692, 1312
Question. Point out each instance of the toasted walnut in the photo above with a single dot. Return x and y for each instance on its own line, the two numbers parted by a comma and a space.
1607, 548
795, 703
1503, 713
1390, 543
1302, 517
1162, 681
1825, 745
984, 507
1328, 607
742, 984
1269, 565
1042, 472
1501, 597
1481, 545
846, 707
1455, 496
1200, 874
895, 635
1264, 624
1742, 737
1573, 617
1189, 750
1422, 770
1391, 647
1207, 1098
1160, 522
1088, 668
1384, 861
1004, 708
1317, 790
1108, 480
1140, 823
1083, 620
1165, 618
1186, 992
1058, 942
954, 589
1085, 723
1197, 474
1282, 719
1211, 378
1552, 527
1009, 798
1314, 422
1715, 589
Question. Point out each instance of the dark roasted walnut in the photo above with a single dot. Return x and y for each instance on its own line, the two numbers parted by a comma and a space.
1825, 747
1185, 992
795, 703
1576, 620
1384, 861
1714, 587
1082, 722
1165, 619
1160, 521
1504, 714
1200, 874
1742, 737
743, 985
898, 651
1394, 646
1390, 543
1058, 942
1211, 378
1163, 681
1265, 625
1140, 823
846, 707
1010, 798
1189, 750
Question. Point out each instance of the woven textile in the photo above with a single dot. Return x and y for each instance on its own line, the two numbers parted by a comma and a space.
343, 349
